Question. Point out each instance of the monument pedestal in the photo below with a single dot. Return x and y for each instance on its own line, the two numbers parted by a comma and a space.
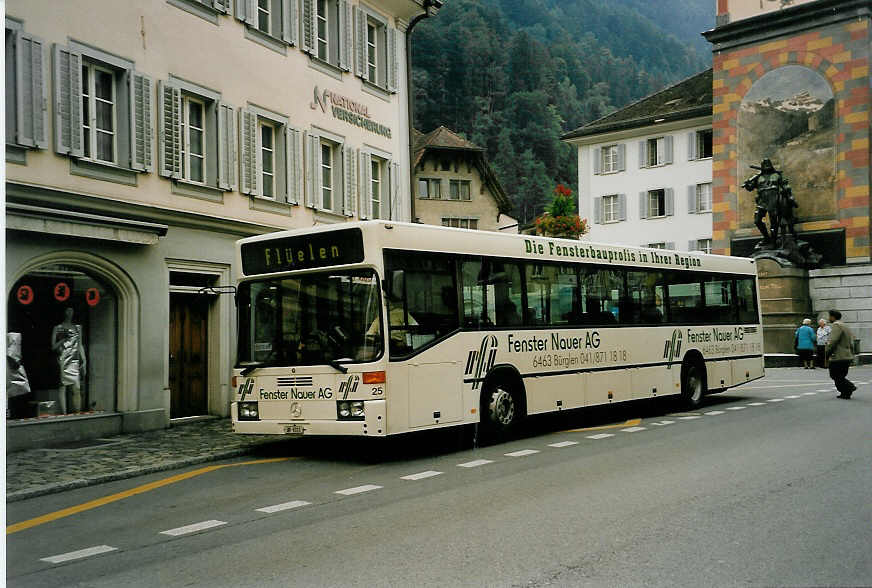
784, 302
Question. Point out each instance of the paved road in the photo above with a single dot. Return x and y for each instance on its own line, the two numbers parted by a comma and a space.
765, 485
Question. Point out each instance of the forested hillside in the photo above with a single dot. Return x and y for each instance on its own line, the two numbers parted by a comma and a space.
513, 75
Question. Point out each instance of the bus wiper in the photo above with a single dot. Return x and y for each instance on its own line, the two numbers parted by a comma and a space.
251, 367
338, 366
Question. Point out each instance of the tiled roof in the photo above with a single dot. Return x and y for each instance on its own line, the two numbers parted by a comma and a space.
687, 99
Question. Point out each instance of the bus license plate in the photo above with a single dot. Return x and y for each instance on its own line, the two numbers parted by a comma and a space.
293, 429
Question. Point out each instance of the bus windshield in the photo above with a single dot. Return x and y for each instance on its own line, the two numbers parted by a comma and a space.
310, 319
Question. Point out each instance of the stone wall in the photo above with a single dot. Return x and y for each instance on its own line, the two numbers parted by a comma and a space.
849, 290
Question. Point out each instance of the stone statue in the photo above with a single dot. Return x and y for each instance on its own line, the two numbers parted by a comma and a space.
775, 199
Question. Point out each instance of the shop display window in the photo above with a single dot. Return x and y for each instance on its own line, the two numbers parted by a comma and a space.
62, 326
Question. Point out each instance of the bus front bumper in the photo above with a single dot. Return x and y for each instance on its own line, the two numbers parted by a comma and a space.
374, 425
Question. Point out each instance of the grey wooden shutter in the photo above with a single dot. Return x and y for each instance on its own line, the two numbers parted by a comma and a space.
67, 69
670, 201
691, 199
294, 163
643, 154
140, 122
393, 61
226, 146
349, 158
668, 142
247, 151
622, 207
622, 157
361, 68
309, 40
32, 112
692, 245
670, 245
597, 160
691, 146
246, 11
395, 190
364, 171
290, 21
169, 121
643, 205
346, 35
314, 196
598, 211
221, 5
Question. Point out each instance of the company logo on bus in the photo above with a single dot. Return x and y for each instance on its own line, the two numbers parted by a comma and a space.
480, 362
672, 349
245, 388
348, 386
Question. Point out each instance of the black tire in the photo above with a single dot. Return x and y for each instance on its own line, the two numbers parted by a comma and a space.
693, 383
501, 410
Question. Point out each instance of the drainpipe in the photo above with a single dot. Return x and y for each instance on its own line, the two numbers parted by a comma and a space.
410, 98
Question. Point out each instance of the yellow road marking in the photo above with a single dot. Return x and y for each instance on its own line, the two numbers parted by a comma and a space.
53, 516
629, 423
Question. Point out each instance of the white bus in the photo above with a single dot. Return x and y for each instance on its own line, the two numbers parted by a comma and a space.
378, 328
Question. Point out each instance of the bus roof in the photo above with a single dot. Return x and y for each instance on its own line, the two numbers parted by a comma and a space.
420, 237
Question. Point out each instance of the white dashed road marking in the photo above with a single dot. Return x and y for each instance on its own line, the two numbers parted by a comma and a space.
812, 393
792, 396
689, 418
521, 453
563, 444
193, 528
823, 390
634, 429
756, 404
90, 551
474, 463
663, 423
421, 475
714, 413
283, 506
775, 400
601, 436
736, 407
358, 489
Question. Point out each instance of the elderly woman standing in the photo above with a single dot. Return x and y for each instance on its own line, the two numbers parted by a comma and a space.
804, 341
823, 337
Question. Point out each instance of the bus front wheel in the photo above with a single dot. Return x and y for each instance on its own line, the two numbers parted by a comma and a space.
501, 409
693, 383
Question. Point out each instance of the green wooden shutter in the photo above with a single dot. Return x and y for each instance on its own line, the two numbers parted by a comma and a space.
246, 11
221, 5
309, 27
360, 25
290, 21
140, 122
393, 213
349, 184
32, 111
68, 101
170, 134
363, 209
226, 146
393, 62
346, 35
247, 152
294, 163
314, 196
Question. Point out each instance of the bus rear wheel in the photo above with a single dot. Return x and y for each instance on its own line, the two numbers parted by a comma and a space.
693, 383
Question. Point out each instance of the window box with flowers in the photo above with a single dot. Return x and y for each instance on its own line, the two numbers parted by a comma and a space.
560, 219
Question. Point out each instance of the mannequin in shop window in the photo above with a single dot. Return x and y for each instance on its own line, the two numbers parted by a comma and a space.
66, 341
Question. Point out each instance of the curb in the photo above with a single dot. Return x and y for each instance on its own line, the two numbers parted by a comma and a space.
125, 474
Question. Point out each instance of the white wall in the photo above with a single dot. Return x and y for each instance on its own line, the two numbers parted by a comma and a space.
679, 228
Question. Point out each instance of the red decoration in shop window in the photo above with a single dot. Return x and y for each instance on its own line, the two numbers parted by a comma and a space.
92, 296
61, 291
24, 294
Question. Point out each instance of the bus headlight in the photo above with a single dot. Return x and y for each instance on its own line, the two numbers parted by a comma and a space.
248, 411
350, 410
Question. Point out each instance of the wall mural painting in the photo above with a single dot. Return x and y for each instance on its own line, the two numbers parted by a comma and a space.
787, 116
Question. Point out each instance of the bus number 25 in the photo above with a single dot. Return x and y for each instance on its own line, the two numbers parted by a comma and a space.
378, 391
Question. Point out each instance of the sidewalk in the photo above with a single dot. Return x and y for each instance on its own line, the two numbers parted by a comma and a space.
36, 472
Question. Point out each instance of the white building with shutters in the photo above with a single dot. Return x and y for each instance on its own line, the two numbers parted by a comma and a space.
142, 140
645, 171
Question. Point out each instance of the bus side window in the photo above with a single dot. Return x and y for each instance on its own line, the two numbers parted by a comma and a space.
601, 293
746, 300
686, 299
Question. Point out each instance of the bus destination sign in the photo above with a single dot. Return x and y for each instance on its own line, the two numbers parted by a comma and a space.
304, 252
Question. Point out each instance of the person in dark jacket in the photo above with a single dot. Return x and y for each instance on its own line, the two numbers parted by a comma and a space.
840, 353
804, 341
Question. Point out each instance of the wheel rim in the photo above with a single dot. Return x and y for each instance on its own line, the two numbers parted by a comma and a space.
694, 384
502, 407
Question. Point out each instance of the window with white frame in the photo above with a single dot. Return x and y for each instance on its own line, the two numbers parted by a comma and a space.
656, 203
378, 177
610, 208
26, 92
610, 158
272, 23
328, 31
375, 49
197, 139
658, 245
460, 222
102, 110
270, 156
378, 188
263, 16
327, 175
704, 144
459, 190
430, 188
206, 9
702, 245
656, 151
322, 29
704, 197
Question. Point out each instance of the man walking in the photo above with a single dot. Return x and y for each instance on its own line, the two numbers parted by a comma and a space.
841, 354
